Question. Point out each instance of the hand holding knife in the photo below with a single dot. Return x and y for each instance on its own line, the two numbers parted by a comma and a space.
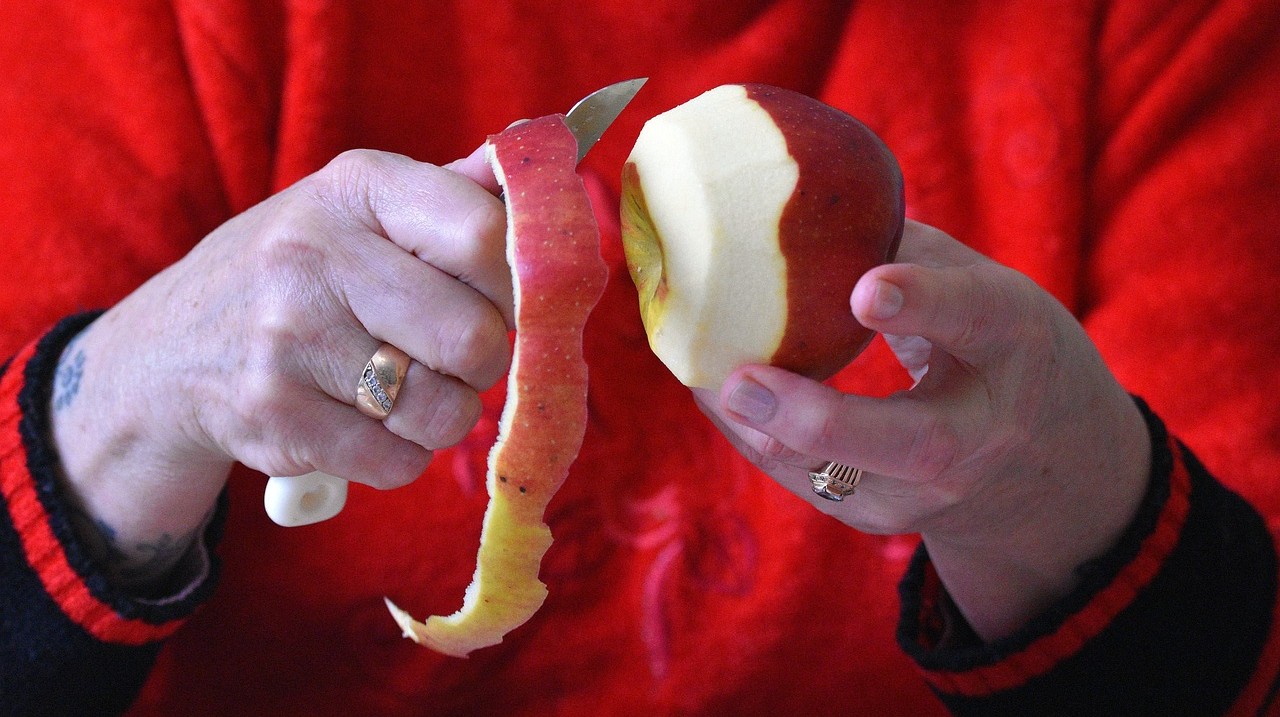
318, 496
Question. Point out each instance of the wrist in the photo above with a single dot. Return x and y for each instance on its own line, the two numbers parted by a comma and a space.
138, 493
1029, 548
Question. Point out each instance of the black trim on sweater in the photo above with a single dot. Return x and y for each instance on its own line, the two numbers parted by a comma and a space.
49, 665
43, 463
1186, 644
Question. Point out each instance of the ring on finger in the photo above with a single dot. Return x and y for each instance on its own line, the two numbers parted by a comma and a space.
835, 481
380, 381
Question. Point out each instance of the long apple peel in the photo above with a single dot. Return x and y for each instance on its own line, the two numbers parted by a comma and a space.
558, 276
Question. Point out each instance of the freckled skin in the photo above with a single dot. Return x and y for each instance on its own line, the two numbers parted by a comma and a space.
554, 250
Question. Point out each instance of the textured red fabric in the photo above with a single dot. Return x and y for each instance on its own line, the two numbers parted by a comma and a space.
1121, 154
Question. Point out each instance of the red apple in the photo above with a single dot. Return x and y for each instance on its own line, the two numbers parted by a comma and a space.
553, 247
748, 214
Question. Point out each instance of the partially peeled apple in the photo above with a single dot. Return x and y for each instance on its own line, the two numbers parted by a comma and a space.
748, 214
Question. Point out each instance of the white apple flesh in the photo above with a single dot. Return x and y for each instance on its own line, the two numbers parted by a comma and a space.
748, 215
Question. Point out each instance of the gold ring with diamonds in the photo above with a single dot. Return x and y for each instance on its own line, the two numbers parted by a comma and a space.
835, 481
380, 381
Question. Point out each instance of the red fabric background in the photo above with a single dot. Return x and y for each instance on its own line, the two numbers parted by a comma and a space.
1121, 154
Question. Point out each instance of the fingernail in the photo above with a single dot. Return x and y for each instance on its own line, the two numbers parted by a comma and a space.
752, 402
886, 302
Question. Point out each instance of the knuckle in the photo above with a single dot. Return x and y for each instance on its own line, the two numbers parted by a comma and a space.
349, 181
1035, 325
264, 384
979, 311
293, 308
273, 459
279, 345
770, 454
485, 220
933, 449
474, 348
450, 416
288, 256
1004, 309
980, 316
352, 165
399, 468
264, 433
830, 431
774, 452
277, 333
260, 399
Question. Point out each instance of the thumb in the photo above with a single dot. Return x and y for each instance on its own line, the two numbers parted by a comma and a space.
973, 312
475, 166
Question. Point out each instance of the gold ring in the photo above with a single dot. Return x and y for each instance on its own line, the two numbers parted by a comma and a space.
380, 381
835, 481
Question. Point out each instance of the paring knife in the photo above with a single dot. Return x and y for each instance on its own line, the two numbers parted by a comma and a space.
306, 499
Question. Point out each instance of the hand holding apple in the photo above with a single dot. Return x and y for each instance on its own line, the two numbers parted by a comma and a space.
747, 215
1017, 456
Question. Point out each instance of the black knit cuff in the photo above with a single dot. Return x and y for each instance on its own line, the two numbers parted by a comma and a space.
1171, 620
201, 565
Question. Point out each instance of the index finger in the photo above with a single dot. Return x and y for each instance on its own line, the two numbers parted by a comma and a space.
896, 436
476, 167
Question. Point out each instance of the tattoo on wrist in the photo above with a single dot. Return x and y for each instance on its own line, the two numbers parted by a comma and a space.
69, 374
137, 563
145, 559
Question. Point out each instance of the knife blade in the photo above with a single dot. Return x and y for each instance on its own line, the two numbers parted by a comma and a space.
317, 496
592, 115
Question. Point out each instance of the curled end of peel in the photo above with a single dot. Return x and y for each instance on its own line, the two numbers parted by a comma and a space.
421, 633
424, 633
504, 593
467, 630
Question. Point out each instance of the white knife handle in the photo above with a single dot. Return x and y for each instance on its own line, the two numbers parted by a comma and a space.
302, 500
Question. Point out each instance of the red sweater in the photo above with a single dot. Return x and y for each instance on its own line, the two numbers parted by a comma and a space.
1123, 155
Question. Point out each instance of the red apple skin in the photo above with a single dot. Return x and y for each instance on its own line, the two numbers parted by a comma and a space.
559, 276
845, 218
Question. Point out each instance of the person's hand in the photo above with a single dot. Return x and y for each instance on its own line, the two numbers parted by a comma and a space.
1016, 455
250, 348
